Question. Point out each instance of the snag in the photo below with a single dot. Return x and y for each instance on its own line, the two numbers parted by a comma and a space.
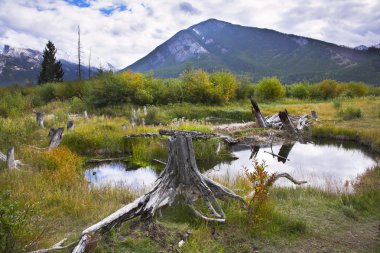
260, 120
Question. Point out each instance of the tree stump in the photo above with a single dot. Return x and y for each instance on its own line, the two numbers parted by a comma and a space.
40, 119
260, 120
11, 158
70, 125
56, 137
287, 122
314, 114
181, 180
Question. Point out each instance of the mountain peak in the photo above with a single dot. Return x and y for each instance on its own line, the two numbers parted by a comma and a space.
218, 45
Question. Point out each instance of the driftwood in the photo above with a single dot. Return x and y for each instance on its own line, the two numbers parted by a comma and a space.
70, 125
40, 119
260, 120
286, 121
55, 137
58, 246
181, 179
143, 135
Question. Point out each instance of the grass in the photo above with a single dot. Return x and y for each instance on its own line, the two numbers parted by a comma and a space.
51, 190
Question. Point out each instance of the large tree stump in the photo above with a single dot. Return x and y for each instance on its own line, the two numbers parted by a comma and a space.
181, 179
55, 137
40, 119
260, 120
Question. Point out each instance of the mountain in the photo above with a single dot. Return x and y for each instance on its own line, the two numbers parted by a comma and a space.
216, 45
22, 66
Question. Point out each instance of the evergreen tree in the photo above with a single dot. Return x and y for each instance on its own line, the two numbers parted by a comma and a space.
51, 70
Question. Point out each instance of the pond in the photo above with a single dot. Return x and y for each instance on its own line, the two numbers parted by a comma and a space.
326, 166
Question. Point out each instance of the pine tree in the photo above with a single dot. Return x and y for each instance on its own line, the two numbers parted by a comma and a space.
51, 69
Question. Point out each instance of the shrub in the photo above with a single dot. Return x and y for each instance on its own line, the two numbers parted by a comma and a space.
269, 88
351, 113
13, 104
225, 85
337, 102
299, 90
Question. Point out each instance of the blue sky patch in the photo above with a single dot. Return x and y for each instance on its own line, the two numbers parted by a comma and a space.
108, 11
79, 3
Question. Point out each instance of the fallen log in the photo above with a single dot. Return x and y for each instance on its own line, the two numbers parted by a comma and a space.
180, 180
192, 134
286, 121
56, 247
56, 137
260, 120
143, 135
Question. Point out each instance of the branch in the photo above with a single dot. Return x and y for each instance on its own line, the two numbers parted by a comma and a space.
57, 246
199, 214
286, 175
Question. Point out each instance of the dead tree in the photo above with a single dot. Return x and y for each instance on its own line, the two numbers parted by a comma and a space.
70, 125
56, 137
40, 119
260, 120
287, 122
181, 180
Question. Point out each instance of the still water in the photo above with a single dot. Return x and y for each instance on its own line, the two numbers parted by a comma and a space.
326, 166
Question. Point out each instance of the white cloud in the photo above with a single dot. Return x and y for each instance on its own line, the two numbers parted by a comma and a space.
123, 37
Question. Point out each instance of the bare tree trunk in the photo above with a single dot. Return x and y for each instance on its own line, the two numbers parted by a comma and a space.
260, 120
40, 119
286, 122
56, 137
181, 178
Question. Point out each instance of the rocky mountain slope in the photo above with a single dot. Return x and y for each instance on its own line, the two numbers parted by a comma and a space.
216, 45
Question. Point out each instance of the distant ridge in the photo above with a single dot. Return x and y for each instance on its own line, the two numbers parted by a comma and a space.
216, 45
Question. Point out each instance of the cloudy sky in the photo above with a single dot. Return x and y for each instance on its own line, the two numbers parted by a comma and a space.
123, 31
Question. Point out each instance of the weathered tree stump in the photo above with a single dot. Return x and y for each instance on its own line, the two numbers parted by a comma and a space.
124, 126
132, 122
85, 115
40, 119
181, 180
70, 125
55, 137
314, 114
286, 121
11, 158
260, 120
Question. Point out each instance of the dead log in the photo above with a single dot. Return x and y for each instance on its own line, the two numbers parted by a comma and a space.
143, 135
70, 125
286, 121
302, 122
181, 180
56, 137
40, 119
228, 139
56, 247
192, 134
260, 120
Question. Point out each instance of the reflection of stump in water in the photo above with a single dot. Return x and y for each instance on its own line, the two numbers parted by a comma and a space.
284, 151
254, 151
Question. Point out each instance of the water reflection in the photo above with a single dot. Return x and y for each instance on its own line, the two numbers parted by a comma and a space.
117, 174
323, 166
